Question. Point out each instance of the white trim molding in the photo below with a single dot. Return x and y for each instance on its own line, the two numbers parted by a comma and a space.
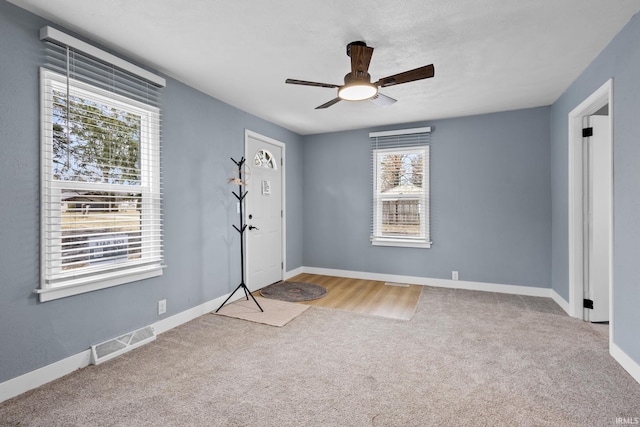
629, 365
289, 274
440, 283
564, 304
41, 376
34, 379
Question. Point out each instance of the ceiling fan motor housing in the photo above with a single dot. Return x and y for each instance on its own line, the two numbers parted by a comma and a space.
356, 43
360, 77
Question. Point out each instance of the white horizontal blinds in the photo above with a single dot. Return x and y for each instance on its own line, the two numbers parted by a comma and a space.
99, 74
101, 203
400, 167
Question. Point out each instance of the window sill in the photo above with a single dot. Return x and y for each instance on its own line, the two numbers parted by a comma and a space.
96, 283
401, 243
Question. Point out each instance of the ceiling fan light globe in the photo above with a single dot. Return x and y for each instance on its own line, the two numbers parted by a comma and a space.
357, 92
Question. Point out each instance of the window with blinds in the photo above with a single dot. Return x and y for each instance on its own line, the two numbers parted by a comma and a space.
101, 181
400, 166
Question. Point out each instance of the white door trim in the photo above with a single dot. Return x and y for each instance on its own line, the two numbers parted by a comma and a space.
600, 98
250, 134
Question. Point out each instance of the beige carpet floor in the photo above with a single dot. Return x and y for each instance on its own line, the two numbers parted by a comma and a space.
465, 359
275, 313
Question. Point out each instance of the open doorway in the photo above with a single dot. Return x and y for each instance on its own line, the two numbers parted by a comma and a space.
591, 208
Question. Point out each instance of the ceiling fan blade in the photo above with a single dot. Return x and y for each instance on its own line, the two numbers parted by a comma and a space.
360, 58
328, 104
306, 83
382, 100
408, 76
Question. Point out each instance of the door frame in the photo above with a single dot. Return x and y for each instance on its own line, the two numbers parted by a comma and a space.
598, 99
251, 134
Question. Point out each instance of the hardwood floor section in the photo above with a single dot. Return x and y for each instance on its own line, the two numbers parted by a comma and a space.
364, 296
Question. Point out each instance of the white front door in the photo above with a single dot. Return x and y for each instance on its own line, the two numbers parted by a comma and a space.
597, 208
264, 213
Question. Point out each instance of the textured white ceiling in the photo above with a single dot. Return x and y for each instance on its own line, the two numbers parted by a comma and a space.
489, 55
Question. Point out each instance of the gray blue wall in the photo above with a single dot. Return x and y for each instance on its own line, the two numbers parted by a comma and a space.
490, 202
620, 60
201, 248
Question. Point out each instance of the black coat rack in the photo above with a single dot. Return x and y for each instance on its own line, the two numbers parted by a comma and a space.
240, 230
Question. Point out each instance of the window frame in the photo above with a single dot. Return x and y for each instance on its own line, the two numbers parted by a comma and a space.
377, 237
56, 284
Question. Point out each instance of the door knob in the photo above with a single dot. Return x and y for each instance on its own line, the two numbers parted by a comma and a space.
251, 227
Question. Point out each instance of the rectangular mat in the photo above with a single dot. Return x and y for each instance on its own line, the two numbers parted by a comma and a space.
276, 313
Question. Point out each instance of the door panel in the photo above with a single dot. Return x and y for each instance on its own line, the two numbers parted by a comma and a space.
264, 217
597, 218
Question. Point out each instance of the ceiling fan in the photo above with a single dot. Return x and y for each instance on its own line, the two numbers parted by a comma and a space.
357, 84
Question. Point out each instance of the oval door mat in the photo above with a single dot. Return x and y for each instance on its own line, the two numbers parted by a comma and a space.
293, 291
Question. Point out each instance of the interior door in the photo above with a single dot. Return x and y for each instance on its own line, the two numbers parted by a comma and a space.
264, 211
597, 222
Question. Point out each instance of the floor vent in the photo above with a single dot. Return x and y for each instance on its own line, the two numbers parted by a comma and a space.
402, 285
117, 346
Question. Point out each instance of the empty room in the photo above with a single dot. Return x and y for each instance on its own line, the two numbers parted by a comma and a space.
355, 213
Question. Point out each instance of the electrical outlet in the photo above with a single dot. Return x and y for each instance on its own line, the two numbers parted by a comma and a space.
162, 306
454, 275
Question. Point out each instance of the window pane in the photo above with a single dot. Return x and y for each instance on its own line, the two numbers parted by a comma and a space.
401, 217
99, 228
94, 142
400, 171
264, 159
400, 180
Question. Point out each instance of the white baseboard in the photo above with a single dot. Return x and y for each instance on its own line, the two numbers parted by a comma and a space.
41, 376
289, 274
561, 302
169, 323
441, 283
34, 379
629, 365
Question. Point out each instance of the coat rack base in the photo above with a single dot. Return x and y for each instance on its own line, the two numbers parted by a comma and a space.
247, 294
